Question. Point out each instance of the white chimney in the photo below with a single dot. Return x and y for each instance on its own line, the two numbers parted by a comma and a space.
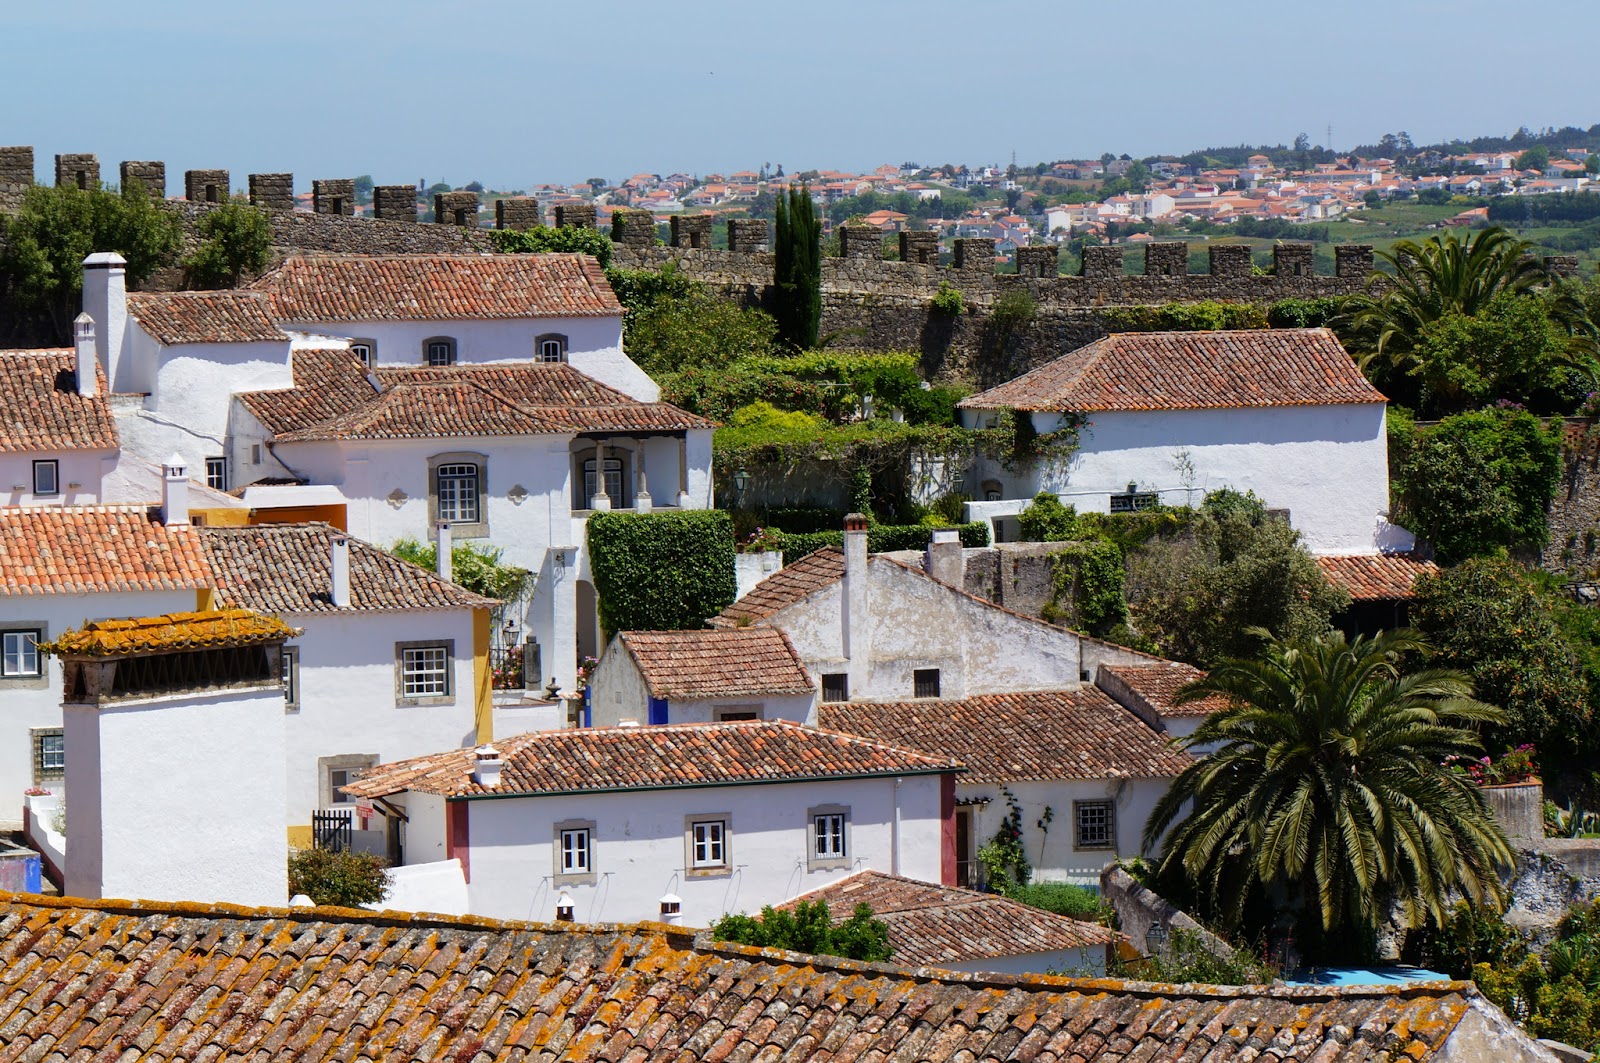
105, 298
339, 589
857, 621
441, 549
174, 492
671, 909
486, 766
83, 346
945, 560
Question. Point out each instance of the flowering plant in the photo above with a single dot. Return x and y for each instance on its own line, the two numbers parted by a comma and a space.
36, 791
586, 667
1513, 766
760, 540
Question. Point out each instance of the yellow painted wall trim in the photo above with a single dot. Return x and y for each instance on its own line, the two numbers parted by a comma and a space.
482, 676
300, 837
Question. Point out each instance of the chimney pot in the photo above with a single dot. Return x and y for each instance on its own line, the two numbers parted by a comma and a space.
486, 765
339, 589
85, 357
174, 492
105, 299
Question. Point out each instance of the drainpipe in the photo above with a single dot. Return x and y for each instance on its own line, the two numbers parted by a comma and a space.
894, 838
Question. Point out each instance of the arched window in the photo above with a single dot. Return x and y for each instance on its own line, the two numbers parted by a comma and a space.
456, 486
439, 350
551, 347
614, 482
366, 350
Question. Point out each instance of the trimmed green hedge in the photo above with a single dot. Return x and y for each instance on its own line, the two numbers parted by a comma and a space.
661, 571
880, 538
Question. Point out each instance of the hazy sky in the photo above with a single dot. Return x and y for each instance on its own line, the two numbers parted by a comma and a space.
510, 93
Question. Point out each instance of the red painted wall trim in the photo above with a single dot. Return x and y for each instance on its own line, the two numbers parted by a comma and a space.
947, 830
457, 840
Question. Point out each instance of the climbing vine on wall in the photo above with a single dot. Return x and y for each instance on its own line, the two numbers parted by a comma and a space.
1005, 864
1017, 443
661, 571
1086, 587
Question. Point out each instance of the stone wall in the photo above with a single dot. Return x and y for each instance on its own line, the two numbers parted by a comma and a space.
633, 228
334, 196
272, 191
456, 208
691, 230
1574, 514
517, 212
576, 215
151, 174
397, 203
1139, 909
1519, 809
16, 175
78, 171
205, 186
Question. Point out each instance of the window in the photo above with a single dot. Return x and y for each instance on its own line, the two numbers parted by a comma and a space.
613, 483
423, 673
49, 754
441, 350
925, 683
217, 473
291, 678
338, 777
19, 653
708, 844
552, 347
46, 478
334, 772
255, 453
458, 493
736, 713
836, 687
828, 836
575, 851
1095, 825
1133, 500
363, 350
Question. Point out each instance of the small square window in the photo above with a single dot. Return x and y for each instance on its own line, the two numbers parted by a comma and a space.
425, 672
363, 350
441, 352
836, 686
708, 844
217, 473
737, 713
291, 678
1095, 825
827, 835
19, 653
337, 778
925, 682
46, 477
49, 754
575, 851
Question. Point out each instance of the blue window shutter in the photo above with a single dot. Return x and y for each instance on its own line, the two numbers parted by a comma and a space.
658, 710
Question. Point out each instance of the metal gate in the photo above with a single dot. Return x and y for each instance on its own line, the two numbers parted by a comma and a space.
331, 830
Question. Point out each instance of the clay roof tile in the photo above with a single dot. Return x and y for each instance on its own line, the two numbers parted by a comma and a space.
41, 410
733, 663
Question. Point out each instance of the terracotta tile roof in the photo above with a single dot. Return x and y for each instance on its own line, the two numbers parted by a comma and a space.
699, 665
172, 318
1375, 577
327, 383
1156, 685
315, 288
96, 550
785, 587
40, 408
931, 925
212, 629
187, 983
1045, 734
505, 399
661, 757
287, 568
1190, 371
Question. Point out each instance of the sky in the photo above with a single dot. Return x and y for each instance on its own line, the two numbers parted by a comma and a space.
514, 93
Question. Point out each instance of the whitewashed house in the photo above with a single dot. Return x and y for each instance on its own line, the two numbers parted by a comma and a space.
871, 628
391, 661
58, 438
1086, 768
659, 677
684, 822
1169, 416
1150, 691
958, 929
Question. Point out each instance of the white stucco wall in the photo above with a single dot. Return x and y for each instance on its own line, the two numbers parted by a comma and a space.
348, 700
85, 468
1053, 854
1087, 962
1327, 465
30, 703
594, 345
916, 622
180, 793
640, 849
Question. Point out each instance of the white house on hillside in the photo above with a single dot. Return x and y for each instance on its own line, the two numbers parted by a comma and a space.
657, 677
1169, 416
58, 438
683, 822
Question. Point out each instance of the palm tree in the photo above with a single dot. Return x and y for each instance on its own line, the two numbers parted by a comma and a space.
1327, 782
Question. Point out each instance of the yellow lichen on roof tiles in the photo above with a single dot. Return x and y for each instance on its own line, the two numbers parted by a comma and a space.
212, 629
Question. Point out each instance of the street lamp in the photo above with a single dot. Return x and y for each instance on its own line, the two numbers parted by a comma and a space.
1155, 939
741, 481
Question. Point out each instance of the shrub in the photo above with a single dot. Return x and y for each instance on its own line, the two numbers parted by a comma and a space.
347, 880
1048, 521
1074, 902
477, 568
661, 571
543, 239
679, 332
1184, 317
810, 929
237, 240
947, 300
1012, 312
1087, 587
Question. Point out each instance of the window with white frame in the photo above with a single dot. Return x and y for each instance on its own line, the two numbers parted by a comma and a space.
575, 851
1094, 825
552, 347
49, 754
363, 350
217, 473
19, 653
708, 844
422, 672
47, 477
291, 678
457, 486
440, 351
827, 836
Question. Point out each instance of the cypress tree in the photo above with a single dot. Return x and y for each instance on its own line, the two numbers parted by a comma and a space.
797, 248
